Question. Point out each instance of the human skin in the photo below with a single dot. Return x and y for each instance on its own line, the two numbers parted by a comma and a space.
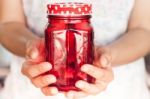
134, 44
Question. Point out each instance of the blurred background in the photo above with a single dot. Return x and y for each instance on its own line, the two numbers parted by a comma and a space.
5, 58
147, 61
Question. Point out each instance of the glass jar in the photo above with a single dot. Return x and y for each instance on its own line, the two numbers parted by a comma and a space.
69, 43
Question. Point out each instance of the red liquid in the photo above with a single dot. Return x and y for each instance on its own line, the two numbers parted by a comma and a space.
69, 45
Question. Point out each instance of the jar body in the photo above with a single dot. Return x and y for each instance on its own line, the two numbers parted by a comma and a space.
69, 45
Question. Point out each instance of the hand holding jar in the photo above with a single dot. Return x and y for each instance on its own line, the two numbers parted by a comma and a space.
101, 70
35, 66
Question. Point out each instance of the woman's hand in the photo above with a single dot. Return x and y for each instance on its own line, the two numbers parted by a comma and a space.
101, 71
34, 67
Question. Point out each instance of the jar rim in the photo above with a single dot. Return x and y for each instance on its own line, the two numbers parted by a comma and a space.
69, 17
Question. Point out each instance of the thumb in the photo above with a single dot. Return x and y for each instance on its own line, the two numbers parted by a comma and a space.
105, 60
32, 51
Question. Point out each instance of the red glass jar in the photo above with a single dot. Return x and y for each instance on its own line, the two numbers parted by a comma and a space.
69, 43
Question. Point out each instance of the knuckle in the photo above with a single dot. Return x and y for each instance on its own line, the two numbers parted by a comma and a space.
43, 67
45, 81
99, 74
90, 70
44, 91
39, 68
30, 71
34, 71
95, 72
24, 68
47, 91
35, 83
28, 53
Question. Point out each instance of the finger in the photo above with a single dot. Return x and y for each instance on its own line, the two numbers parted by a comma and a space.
43, 81
98, 73
35, 50
32, 53
48, 91
93, 71
101, 85
102, 57
87, 87
103, 61
108, 76
32, 71
75, 94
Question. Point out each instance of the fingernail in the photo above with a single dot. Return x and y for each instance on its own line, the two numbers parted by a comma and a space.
54, 91
47, 66
84, 68
80, 84
34, 54
51, 79
70, 95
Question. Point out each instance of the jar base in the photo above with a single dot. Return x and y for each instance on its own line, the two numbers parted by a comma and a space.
65, 88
